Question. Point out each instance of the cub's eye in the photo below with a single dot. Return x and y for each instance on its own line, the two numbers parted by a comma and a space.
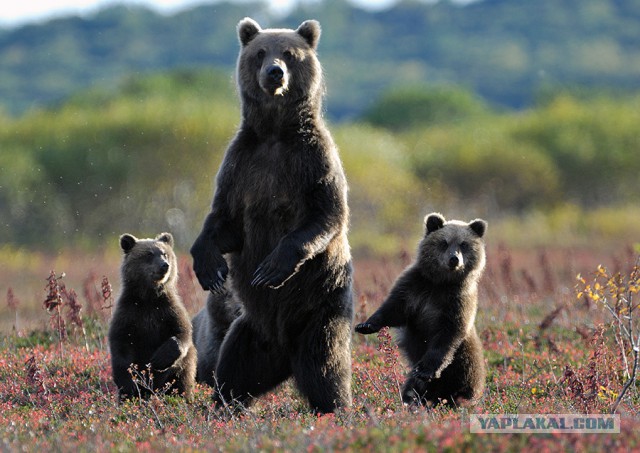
261, 53
287, 55
443, 244
464, 246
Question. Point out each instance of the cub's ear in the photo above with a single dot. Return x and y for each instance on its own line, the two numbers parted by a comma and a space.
127, 241
478, 226
165, 237
247, 30
310, 31
433, 222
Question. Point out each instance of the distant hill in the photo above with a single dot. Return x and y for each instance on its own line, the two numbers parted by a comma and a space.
508, 51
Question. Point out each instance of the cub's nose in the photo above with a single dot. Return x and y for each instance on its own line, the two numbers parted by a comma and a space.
275, 73
453, 262
164, 267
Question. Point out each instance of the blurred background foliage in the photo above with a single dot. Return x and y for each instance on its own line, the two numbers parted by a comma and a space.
505, 51
142, 158
525, 113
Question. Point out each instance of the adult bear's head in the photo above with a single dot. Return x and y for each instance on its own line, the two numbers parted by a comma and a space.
279, 64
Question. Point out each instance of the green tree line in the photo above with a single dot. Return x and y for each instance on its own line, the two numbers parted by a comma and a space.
142, 157
507, 51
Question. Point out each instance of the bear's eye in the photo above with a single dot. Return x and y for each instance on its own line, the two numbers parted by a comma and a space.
464, 246
287, 55
261, 53
443, 244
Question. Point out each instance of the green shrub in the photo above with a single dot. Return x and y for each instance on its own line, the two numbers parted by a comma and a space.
410, 107
481, 164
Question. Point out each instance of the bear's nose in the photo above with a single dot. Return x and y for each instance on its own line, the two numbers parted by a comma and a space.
164, 267
275, 73
453, 262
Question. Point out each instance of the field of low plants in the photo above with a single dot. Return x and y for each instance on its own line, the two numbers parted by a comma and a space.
559, 328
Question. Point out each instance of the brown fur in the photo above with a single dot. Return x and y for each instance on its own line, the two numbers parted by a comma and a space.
210, 325
150, 325
278, 227
434, 302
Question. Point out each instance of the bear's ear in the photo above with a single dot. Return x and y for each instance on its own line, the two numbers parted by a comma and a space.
433, 222
310, 31
247, 30
478, 226
165, 237
127, 241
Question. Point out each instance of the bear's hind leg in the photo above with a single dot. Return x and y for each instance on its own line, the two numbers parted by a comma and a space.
185, 380
322, 365
248, 366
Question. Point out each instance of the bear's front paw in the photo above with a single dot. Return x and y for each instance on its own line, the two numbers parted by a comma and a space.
211, 270
275, 270
367, 328
216, 286
423, 374
166, 355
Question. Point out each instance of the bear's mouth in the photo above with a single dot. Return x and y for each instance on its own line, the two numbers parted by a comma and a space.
274, 89
160, 277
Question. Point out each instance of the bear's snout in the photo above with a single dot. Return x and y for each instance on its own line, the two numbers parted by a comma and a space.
161, 273
274, 79
455, 261
275, 73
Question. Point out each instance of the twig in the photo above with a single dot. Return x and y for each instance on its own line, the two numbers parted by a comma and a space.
630, 381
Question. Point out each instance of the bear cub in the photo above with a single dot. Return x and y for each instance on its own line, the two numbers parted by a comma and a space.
434, 302
150, 325
210, 325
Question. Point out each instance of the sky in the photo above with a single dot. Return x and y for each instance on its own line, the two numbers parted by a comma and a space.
20, 12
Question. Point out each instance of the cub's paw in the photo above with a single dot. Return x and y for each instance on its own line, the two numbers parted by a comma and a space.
166, 355
367, 328
423, 374
413, 400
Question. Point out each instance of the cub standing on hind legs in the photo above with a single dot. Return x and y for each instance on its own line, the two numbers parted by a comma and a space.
150, 325
434, 302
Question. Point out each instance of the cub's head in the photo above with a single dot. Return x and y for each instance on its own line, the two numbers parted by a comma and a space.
452, 250
148, 263
278, 63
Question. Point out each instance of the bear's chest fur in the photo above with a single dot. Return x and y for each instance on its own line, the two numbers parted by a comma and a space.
431, 309
147, 326
273, 178
272, 182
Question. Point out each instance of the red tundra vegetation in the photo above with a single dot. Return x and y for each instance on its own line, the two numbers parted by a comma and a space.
560, 331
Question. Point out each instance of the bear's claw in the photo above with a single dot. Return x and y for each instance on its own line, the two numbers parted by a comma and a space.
217, 286
276, 269
366, 328
211, 275
425, 376
271, 278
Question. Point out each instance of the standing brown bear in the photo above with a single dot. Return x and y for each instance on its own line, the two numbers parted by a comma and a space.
150, 325
434, 302
278, 227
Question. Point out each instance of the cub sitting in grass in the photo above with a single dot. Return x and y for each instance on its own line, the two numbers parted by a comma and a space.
434, 302
150, 328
